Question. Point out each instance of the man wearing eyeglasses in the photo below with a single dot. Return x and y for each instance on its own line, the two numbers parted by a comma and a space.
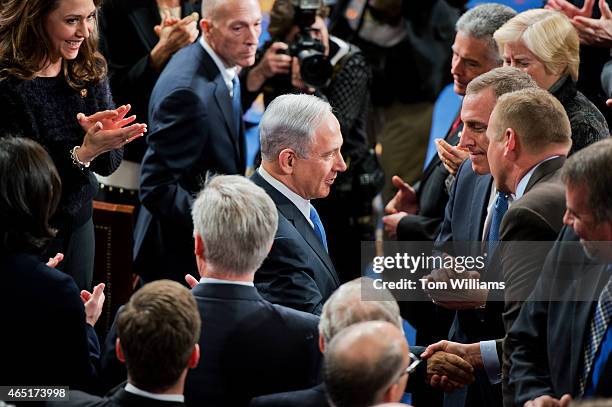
366, 364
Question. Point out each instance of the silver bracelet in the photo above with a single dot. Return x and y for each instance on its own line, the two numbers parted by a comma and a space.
75, 158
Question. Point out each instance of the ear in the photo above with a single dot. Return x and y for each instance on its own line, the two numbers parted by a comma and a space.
286, 161
198, 245
321, 342
119, 351
393, 394
205, 26
194, 358
512, 144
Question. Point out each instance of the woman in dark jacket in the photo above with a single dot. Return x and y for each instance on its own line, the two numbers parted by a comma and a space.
53, 89
545, 44
47, 334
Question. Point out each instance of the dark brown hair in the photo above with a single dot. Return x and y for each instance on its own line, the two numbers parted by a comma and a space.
25, 47
158, 329
30, 189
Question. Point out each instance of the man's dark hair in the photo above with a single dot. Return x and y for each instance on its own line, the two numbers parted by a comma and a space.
158, 329
592, 167
30, 190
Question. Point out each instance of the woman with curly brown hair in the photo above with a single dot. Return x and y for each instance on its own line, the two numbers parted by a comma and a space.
53, 89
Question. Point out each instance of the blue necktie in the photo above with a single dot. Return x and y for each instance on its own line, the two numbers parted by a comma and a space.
236, 105
500, 207
318, 226
598, 347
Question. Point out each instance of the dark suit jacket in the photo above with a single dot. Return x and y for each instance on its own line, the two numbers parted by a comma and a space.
432, 198
250, 347
464, 220
548, 336
45, 339
298, 272
313, 397
191, 134
536, 216
126, 40
117, 397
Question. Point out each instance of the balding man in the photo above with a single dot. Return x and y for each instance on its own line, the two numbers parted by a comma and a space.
345, 308
195, 128
367, 363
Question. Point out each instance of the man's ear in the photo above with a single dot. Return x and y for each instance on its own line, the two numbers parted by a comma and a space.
205, 26
512, 144
198, 245
393, 394
321, 342
194, 358
119, 351
286, 161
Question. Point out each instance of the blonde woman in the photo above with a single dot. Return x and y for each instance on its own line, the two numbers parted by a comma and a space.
545, 44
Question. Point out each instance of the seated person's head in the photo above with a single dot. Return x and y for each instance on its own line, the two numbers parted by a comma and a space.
345, 308
158, 330
30, 190
366, 364
234, 226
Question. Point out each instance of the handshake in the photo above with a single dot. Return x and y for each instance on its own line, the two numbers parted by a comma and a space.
450, 365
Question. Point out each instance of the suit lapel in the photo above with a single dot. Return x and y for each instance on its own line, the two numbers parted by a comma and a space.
224, 103
544, 171
480, 203
297, 219
145, 16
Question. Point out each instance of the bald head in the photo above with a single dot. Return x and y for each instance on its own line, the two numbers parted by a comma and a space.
364, 364
345, 308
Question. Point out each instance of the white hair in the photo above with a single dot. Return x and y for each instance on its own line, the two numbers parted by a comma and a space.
237, 221
290, 121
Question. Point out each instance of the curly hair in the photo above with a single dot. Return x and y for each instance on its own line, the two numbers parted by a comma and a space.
25, 47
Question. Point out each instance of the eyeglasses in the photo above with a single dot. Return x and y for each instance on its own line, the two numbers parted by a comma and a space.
414, 362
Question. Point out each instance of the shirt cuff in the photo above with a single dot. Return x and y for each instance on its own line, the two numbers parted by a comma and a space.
490, 360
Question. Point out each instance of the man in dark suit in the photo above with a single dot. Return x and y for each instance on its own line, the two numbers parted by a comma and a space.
252, 347
195, 128
300, 148
344, 308
468, 218
158, 341
563, 336
416, 214
524, 155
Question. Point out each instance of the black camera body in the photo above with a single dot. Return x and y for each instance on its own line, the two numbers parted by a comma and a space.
315, 68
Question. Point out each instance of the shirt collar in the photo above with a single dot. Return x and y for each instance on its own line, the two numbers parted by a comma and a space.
130, 388
228, 74
211, 280
302, 204
522, 185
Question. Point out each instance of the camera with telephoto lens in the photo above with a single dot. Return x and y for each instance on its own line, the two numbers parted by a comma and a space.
315, 68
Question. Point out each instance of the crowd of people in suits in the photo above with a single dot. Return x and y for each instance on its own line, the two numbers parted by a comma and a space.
250, 290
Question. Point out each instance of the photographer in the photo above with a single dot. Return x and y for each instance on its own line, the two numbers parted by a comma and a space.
303, 58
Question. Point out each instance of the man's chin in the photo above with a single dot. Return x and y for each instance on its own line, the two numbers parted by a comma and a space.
459, 89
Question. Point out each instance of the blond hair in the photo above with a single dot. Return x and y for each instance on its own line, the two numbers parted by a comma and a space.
524, 111
549, 35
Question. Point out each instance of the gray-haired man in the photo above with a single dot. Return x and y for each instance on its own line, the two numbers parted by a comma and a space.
300, 147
